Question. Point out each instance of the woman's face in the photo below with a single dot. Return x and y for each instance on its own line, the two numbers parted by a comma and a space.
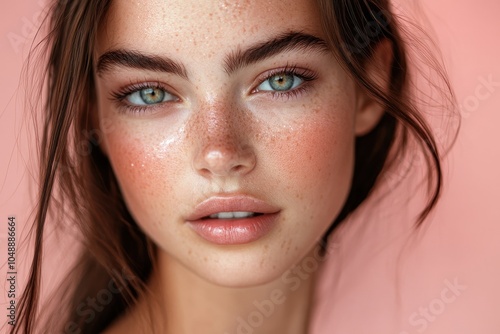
234, 102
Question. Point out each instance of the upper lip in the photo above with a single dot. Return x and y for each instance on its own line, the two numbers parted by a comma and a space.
241, 203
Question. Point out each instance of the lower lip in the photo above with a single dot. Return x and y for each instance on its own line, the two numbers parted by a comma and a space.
234, 231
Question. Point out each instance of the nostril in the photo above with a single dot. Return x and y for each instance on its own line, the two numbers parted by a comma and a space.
227, 160
237, 168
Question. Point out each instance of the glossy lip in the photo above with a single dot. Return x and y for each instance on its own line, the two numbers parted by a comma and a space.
233, 231
240, 203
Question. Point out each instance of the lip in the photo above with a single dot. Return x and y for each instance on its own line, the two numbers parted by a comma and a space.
233, 231
230, 204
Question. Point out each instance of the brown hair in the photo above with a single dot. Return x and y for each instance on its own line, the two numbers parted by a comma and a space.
77, 177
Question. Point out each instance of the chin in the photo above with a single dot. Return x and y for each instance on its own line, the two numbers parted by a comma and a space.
242, 270
238, 278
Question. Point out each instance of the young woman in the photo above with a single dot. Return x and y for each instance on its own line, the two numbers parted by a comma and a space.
205, 148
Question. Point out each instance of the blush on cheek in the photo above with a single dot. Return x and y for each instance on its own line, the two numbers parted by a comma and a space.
136, 168
319, 158
130, 164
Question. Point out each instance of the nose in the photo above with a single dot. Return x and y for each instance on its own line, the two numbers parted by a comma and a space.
223, 147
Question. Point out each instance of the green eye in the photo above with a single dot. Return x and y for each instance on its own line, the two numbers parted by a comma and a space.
149, 96
280, 82
152, 95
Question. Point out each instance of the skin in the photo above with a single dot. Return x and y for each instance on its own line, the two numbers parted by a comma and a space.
222, 135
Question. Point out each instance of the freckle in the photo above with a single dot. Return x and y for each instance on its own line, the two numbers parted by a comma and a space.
266, 247
190, 252
205, 259
274, 266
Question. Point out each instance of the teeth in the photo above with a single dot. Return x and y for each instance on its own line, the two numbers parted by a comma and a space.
230, 215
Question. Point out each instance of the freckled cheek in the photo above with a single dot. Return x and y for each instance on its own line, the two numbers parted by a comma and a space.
319, 159
139, 166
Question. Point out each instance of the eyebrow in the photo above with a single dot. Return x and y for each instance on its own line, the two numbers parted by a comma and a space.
291, 41
137, 60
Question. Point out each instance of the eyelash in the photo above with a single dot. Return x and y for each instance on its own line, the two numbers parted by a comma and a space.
120, 95
305, 75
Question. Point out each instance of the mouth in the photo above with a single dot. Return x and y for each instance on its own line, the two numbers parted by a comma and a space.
231, 207
233, 215
233, 220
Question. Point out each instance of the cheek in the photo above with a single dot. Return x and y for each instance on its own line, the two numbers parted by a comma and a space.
315, 160
324, 154
138, 163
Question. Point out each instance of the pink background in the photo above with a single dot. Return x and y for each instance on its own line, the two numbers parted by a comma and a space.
460, 246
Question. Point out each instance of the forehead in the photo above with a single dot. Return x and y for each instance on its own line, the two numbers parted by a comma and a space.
208, 26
